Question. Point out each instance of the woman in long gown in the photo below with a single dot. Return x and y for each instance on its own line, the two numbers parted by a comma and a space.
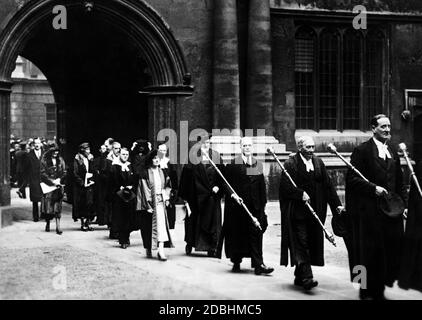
152, 196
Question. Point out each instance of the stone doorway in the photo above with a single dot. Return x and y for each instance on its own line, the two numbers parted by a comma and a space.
116, 71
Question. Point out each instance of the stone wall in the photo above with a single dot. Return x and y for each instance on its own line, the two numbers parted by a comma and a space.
28, 111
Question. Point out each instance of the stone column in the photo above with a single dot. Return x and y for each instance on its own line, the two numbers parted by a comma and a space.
259, 114
226, 106
5, 90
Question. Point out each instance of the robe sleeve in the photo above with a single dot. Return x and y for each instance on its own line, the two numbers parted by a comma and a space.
353, 180
332, 197
79, 180
287, 191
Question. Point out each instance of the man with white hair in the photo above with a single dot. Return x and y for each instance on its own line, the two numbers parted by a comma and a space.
242, 237
301, 232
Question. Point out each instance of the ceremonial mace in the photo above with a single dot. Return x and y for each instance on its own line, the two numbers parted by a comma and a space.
403, 148
332, 148
328, 235
254, 220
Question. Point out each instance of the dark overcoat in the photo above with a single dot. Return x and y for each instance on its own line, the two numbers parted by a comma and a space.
318, 186
102, 168
52, 202
203, 226
249, 184
410, 276
34, 176
83, 197
376, 238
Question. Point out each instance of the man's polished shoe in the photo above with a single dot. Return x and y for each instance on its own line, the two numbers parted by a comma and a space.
59, 232
308, 284
263, 269
236, 267
298, 282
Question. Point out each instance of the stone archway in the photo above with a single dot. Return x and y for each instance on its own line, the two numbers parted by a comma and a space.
143, 29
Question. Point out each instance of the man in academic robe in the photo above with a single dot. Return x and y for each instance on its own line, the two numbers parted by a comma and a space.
376, 237
301, 232
113, 158
21, 170
34, 177
410, 276
101, 187
201, 187
242, 237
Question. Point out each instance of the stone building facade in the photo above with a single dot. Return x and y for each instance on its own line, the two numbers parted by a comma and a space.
32, 107
128, 68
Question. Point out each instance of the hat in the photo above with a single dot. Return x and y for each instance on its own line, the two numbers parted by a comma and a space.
84, 146
126, 195
149, 157
339, 223
142, 146
391, 204
51, 148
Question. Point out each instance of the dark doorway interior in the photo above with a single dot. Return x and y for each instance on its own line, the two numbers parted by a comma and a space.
96, 71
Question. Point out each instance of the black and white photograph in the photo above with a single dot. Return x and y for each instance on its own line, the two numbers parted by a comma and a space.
219, 152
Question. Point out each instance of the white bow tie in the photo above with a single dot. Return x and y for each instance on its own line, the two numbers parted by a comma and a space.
383, 151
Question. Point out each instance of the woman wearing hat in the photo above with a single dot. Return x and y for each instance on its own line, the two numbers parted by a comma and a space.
53, 172
123, 183
152, 196
83, 193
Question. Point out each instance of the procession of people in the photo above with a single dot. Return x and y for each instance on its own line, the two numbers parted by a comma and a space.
138, 188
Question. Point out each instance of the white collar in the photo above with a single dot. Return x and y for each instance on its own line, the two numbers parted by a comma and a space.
164, 163
308, 163
382, 149
125, 166
247, 160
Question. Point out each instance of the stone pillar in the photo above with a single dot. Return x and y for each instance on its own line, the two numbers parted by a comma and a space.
259, 114
5, 90
162, 115
226, 104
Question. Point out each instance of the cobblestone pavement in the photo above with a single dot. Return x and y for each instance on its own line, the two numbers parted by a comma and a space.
87, 265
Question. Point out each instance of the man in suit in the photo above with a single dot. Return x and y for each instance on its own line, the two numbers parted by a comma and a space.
21, 170
34, 177
112, 159
376, 237
301, 232
242, 237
